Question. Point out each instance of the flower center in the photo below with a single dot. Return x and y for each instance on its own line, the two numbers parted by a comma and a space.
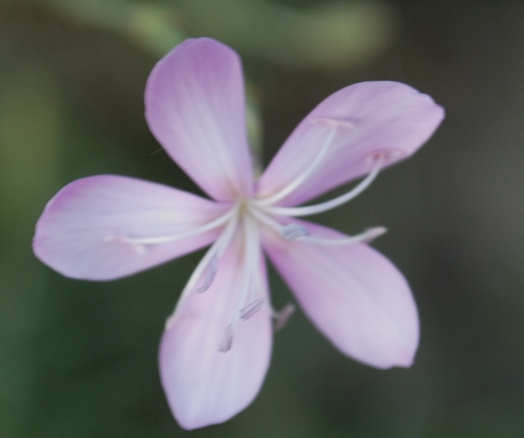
243, 221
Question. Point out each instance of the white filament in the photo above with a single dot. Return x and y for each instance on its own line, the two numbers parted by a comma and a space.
303, 176
300, 233
139, 241
333, 203
248, 283
333, 124
251, 265
217, 250
366, 236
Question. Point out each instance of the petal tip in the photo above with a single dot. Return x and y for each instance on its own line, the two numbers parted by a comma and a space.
399, 359
406, 361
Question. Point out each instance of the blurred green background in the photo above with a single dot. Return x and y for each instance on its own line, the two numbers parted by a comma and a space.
78, 359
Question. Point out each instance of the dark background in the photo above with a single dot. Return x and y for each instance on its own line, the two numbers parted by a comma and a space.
78, 359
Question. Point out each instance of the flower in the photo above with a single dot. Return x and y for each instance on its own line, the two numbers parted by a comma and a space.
216, 347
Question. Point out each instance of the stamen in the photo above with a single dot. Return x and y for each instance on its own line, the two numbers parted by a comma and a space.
248, 311
367, 236
303, 176
227, 340
325, 206
143, 241
250, 270
300, 233
282, 317
333, 124
217, 250
293, 231
251, 251
208, 275
250, 283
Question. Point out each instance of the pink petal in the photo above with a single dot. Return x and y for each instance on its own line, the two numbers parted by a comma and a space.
387, 117
195, 108
82, 230
355, 296
203, 385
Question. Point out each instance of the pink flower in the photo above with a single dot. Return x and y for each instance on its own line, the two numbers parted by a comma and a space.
216, 347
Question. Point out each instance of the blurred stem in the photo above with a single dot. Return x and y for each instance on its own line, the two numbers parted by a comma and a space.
255, 128
321, 37
155, 27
